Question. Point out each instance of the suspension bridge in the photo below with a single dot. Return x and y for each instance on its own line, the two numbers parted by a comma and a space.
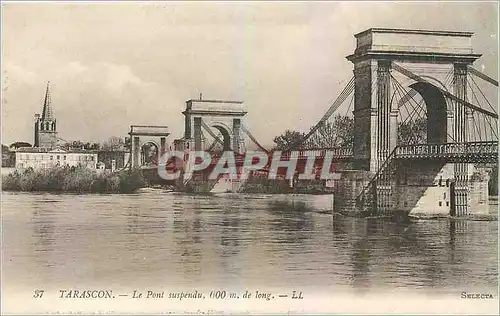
401, 78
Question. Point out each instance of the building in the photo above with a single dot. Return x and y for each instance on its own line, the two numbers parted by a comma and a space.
37, 157
45, 125
113, 159
45, 152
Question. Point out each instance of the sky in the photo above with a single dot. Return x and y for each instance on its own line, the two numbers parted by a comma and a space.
115, 64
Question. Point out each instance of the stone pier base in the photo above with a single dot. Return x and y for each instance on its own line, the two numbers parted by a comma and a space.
419, 189
347, 189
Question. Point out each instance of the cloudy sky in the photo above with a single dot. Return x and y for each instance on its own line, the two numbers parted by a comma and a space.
116, 64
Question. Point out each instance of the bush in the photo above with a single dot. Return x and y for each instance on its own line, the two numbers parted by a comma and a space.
130, 181
73, 179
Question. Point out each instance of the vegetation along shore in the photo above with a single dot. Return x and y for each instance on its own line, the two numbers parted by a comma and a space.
74, 180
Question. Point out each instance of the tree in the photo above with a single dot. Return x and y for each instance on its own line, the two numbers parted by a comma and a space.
128, 143
78, 144
286, 140
412, 132
95, 146
114, 143
8, 157
337, 133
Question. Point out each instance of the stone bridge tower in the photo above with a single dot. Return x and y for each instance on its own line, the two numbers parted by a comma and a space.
148, 144
214, 117
433, 55
391, 65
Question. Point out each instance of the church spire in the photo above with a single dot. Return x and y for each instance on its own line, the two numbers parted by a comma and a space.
47, 114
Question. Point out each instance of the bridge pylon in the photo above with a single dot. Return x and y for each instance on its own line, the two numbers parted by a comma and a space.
223, 122
221, 117
390, 67
148, 143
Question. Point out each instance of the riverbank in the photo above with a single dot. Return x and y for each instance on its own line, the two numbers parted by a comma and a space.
73, 180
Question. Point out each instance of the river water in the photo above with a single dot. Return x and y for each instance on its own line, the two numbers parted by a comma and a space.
235, 241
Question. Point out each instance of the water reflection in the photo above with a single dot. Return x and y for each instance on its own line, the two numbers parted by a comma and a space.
187, 228
360, 255
453, 233
270, 241
229, 238
292, 222
43, 236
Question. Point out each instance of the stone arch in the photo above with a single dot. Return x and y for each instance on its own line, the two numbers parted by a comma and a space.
226, 134
149, 153
141, 135
436, 106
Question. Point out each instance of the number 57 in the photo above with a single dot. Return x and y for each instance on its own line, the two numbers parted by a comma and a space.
38, 294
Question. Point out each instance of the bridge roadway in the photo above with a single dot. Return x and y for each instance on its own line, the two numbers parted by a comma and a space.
460, 152
471, 152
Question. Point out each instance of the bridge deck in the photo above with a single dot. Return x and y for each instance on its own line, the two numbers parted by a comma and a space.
459, 152
450, 152
472, 151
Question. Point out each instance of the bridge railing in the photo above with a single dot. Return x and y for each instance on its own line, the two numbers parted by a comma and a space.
448, 149
337, 153
299, 154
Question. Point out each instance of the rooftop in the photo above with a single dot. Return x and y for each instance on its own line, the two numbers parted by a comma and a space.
215, 101
53, 150
414, 44
414, 31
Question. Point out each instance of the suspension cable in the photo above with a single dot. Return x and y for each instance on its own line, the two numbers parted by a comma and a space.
349, 88
474, 113
406, 96
481, 75
449, 78
491, 127
215, 142
477, 100
445, 93
401, 104
479, 118
207, 128
246, 131
474, 97
481, 91
412, 99
350, 105
402, 93
418, 105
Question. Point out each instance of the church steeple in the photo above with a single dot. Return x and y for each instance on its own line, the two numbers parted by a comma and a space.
45, 125
47, 113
